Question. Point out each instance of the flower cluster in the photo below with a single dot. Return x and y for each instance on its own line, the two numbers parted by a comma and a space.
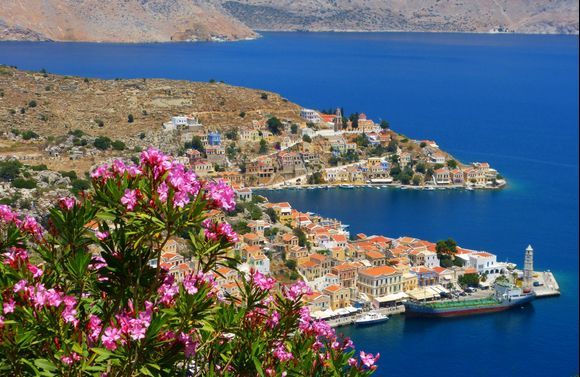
100, 300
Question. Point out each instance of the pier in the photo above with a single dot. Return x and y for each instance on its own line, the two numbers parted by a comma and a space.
548, 285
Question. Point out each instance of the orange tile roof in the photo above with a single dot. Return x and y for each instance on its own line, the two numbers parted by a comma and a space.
333, 288
375, 255
379, 271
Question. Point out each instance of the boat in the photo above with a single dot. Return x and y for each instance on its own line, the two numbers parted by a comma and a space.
505, 297
371, 318
430, 188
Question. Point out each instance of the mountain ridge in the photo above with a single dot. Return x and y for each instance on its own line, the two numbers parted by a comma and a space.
220, 20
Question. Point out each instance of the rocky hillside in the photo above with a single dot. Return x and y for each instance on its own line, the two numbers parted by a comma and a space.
524, 16
117, 21
52, 105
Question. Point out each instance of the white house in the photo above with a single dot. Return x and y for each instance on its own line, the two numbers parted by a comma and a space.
181, 121
310, 115
259, 262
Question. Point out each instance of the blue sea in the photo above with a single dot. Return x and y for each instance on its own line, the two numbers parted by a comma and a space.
510, 100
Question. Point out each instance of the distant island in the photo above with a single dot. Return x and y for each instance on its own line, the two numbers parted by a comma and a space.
223, 20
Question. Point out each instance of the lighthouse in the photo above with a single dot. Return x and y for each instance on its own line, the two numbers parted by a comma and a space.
528, 269
338, 120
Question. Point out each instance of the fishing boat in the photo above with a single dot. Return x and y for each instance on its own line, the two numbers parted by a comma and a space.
371, 318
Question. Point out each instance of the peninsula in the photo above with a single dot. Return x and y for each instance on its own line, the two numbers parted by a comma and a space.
250, 138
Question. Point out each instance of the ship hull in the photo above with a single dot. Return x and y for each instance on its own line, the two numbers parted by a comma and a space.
419, 310
371, 322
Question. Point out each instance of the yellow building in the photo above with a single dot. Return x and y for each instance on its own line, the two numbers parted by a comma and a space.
339, 296
410, 281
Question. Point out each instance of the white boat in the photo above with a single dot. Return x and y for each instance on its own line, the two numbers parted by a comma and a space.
371, 318
430, 188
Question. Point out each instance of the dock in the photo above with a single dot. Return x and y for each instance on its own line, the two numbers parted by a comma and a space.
548, 285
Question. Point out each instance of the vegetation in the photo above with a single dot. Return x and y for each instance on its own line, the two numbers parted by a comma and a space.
469, 280
263, 147
27, 135
315, 178
102, 143
130, 118
90, 303
22, 183
274, 126
118, 145
10, 169
306, 139
448, 246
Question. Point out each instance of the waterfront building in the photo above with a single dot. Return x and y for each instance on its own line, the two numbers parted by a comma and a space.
347, 273
410, 281
379, 281
442, 176
243, 194
317, 302
420, 256
425, 276
339, 296
326, 280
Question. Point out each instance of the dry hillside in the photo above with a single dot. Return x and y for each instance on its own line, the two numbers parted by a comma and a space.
524, 16
53, 105
117, 21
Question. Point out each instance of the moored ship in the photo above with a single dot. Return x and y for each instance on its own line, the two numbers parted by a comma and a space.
371, 318
506, 296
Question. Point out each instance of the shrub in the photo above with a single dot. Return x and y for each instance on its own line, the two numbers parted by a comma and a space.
32, 103
27, 135
96, 304
102, 143
9, 169
23, 183
77, 133
130, 118
70, 174
79, 185
118, 145
41, 167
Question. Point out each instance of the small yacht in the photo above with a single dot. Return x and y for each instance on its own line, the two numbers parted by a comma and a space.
371, 318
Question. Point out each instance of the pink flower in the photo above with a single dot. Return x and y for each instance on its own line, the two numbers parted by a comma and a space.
368, 359
189, 283
15, 256
67, 360
352, 362
101, 235
129, 200
221, 195
9, 306
69, 315
163, 191
6, 214
97, 263
35, 270
30, 226
156, 160
190, 346
110, 338
54, 298
94, 327
137, 329
297, 290
262, 282
168, 290
21, 285
67, 203
101, 173
281, 353
273, 320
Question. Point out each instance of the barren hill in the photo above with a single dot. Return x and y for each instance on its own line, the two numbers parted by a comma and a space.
117, 21
53, 105
524, 16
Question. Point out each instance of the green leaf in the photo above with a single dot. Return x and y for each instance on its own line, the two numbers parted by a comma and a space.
45, 364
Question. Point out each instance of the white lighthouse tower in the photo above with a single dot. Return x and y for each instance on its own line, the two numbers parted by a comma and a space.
528, 269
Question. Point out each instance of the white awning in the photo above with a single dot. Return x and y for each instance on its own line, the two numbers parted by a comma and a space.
392, 297
423, 294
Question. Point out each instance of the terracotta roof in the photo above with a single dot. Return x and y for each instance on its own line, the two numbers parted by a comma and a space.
333, 288
379, 271
375, 255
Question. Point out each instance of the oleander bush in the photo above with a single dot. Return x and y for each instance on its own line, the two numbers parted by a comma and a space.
83, 295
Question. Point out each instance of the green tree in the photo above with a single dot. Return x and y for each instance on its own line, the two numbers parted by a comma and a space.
275, 126
291, 264
294, 128
27, 135
469, 280
452, 164
448, 246
416, 180
302, 240
306, 139
392, 146
32, 103
315, 178
272, 215
263, 147
385, 125
420, 167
